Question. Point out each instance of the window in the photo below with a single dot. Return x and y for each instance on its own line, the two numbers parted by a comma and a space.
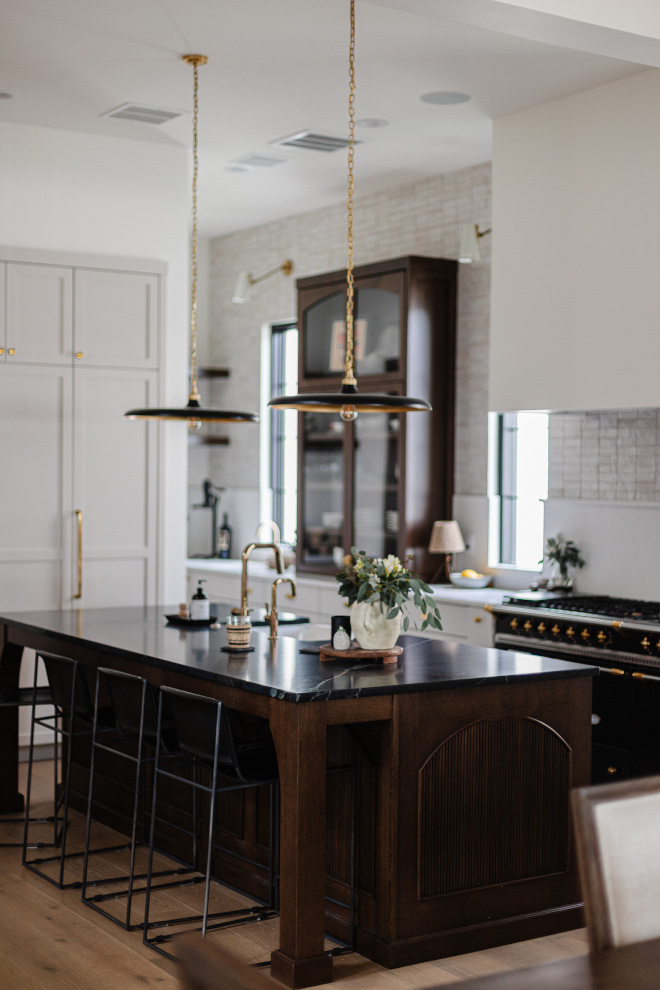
519, 486
282, 439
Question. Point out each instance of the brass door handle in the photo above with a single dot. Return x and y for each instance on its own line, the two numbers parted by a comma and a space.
80, 520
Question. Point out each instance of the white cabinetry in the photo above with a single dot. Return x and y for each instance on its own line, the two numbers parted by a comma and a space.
79, 483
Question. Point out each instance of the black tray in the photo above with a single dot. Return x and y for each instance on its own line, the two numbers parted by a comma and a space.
176, 620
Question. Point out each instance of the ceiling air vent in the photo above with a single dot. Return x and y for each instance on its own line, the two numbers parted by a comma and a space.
259, 161
312, 141
144, 114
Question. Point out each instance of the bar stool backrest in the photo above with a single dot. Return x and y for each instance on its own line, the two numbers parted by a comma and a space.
199, 722
128, 693
67, 681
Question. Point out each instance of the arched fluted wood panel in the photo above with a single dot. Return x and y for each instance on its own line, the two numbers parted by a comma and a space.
493, 806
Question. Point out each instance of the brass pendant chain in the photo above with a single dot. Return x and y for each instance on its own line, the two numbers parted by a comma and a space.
349, 377
195, 61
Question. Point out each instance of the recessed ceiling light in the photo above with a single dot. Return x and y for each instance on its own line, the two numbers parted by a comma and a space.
444, 97
4, 95
372, 122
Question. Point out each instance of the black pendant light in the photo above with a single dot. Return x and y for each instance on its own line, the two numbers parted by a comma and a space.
193, 412
348, 401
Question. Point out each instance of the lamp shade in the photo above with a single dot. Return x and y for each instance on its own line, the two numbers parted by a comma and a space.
469, 244
242, 288
446, 537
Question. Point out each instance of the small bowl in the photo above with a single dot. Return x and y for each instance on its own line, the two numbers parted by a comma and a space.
466, 582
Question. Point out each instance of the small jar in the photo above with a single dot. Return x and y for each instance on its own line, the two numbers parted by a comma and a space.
239, 628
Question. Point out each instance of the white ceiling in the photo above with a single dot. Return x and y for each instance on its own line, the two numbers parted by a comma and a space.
280, 66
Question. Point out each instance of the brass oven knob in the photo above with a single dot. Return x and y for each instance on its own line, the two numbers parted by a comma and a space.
645, 643
527, 626
601, 637
555, 630
585, 634
570, 632
612, 770
657, 645
541, 627
514, 623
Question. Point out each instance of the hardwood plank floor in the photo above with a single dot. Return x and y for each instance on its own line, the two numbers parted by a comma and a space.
49, 940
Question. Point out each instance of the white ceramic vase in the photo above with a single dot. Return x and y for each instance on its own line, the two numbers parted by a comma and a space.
371, 627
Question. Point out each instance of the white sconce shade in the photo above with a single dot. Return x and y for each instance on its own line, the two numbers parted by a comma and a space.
242, 288
468, 250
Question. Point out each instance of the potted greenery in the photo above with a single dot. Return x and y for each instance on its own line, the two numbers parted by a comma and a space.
563, 554
378, 589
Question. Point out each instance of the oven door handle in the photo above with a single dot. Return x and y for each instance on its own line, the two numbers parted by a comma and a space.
639, 676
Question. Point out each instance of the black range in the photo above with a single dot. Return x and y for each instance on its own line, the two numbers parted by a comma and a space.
622, 637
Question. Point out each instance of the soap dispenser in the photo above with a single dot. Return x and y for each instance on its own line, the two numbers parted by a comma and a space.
199, 603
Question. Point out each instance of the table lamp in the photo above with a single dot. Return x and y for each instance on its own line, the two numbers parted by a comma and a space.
446, 538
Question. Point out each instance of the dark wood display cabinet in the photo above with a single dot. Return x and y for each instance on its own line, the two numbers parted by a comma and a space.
380, 482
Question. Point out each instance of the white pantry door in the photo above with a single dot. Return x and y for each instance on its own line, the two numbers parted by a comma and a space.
114, 486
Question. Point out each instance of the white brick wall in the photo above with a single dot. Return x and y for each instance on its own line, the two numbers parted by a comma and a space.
423, 218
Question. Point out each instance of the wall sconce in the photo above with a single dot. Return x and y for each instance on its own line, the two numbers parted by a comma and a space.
468, 250
245, 281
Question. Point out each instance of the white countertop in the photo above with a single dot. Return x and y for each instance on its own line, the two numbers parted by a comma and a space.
441, 592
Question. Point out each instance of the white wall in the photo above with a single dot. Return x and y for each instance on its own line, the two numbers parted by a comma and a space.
576, 238
66, 190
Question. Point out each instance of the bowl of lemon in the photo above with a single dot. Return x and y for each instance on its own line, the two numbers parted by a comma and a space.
470, 579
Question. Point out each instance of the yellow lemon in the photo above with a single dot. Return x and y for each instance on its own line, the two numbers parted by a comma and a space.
469, 573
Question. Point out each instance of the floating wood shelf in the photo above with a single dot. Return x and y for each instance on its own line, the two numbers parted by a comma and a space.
213, 372
194, 441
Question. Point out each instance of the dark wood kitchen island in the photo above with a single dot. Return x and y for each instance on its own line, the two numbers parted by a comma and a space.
464, 758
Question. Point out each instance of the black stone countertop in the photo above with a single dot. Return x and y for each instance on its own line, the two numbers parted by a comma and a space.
285, 670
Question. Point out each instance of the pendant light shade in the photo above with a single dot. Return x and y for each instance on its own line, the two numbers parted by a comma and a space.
348, 401
193, 412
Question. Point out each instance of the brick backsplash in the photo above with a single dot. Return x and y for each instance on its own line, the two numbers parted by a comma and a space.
610, 455
422, 218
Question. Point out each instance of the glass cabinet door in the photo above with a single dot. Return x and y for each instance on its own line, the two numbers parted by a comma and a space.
376, 483
377, 330
322, 475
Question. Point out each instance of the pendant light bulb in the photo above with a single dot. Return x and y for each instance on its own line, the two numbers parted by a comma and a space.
348, 413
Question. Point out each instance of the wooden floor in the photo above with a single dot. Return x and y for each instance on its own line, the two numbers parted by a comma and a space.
50, 941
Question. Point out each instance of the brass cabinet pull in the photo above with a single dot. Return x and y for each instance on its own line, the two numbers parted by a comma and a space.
79, 517
612, 770
79, 355
12, 351
2, 350
477, 618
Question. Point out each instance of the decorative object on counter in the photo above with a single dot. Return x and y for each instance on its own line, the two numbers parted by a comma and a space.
562, 554
246, 280
184, 612
378, 589
468, 249
193, 411
271, 616
348, 401
470, 579
390, 655
446, 537
341, 632
239, 629
185, 622
224, 538
199, 603
211, 500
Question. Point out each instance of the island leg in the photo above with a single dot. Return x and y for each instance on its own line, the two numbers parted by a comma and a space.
11, 800
299, 731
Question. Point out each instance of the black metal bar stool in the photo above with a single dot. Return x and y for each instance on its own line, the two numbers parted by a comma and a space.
72, 719
134, 716
24, 697
207, 740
